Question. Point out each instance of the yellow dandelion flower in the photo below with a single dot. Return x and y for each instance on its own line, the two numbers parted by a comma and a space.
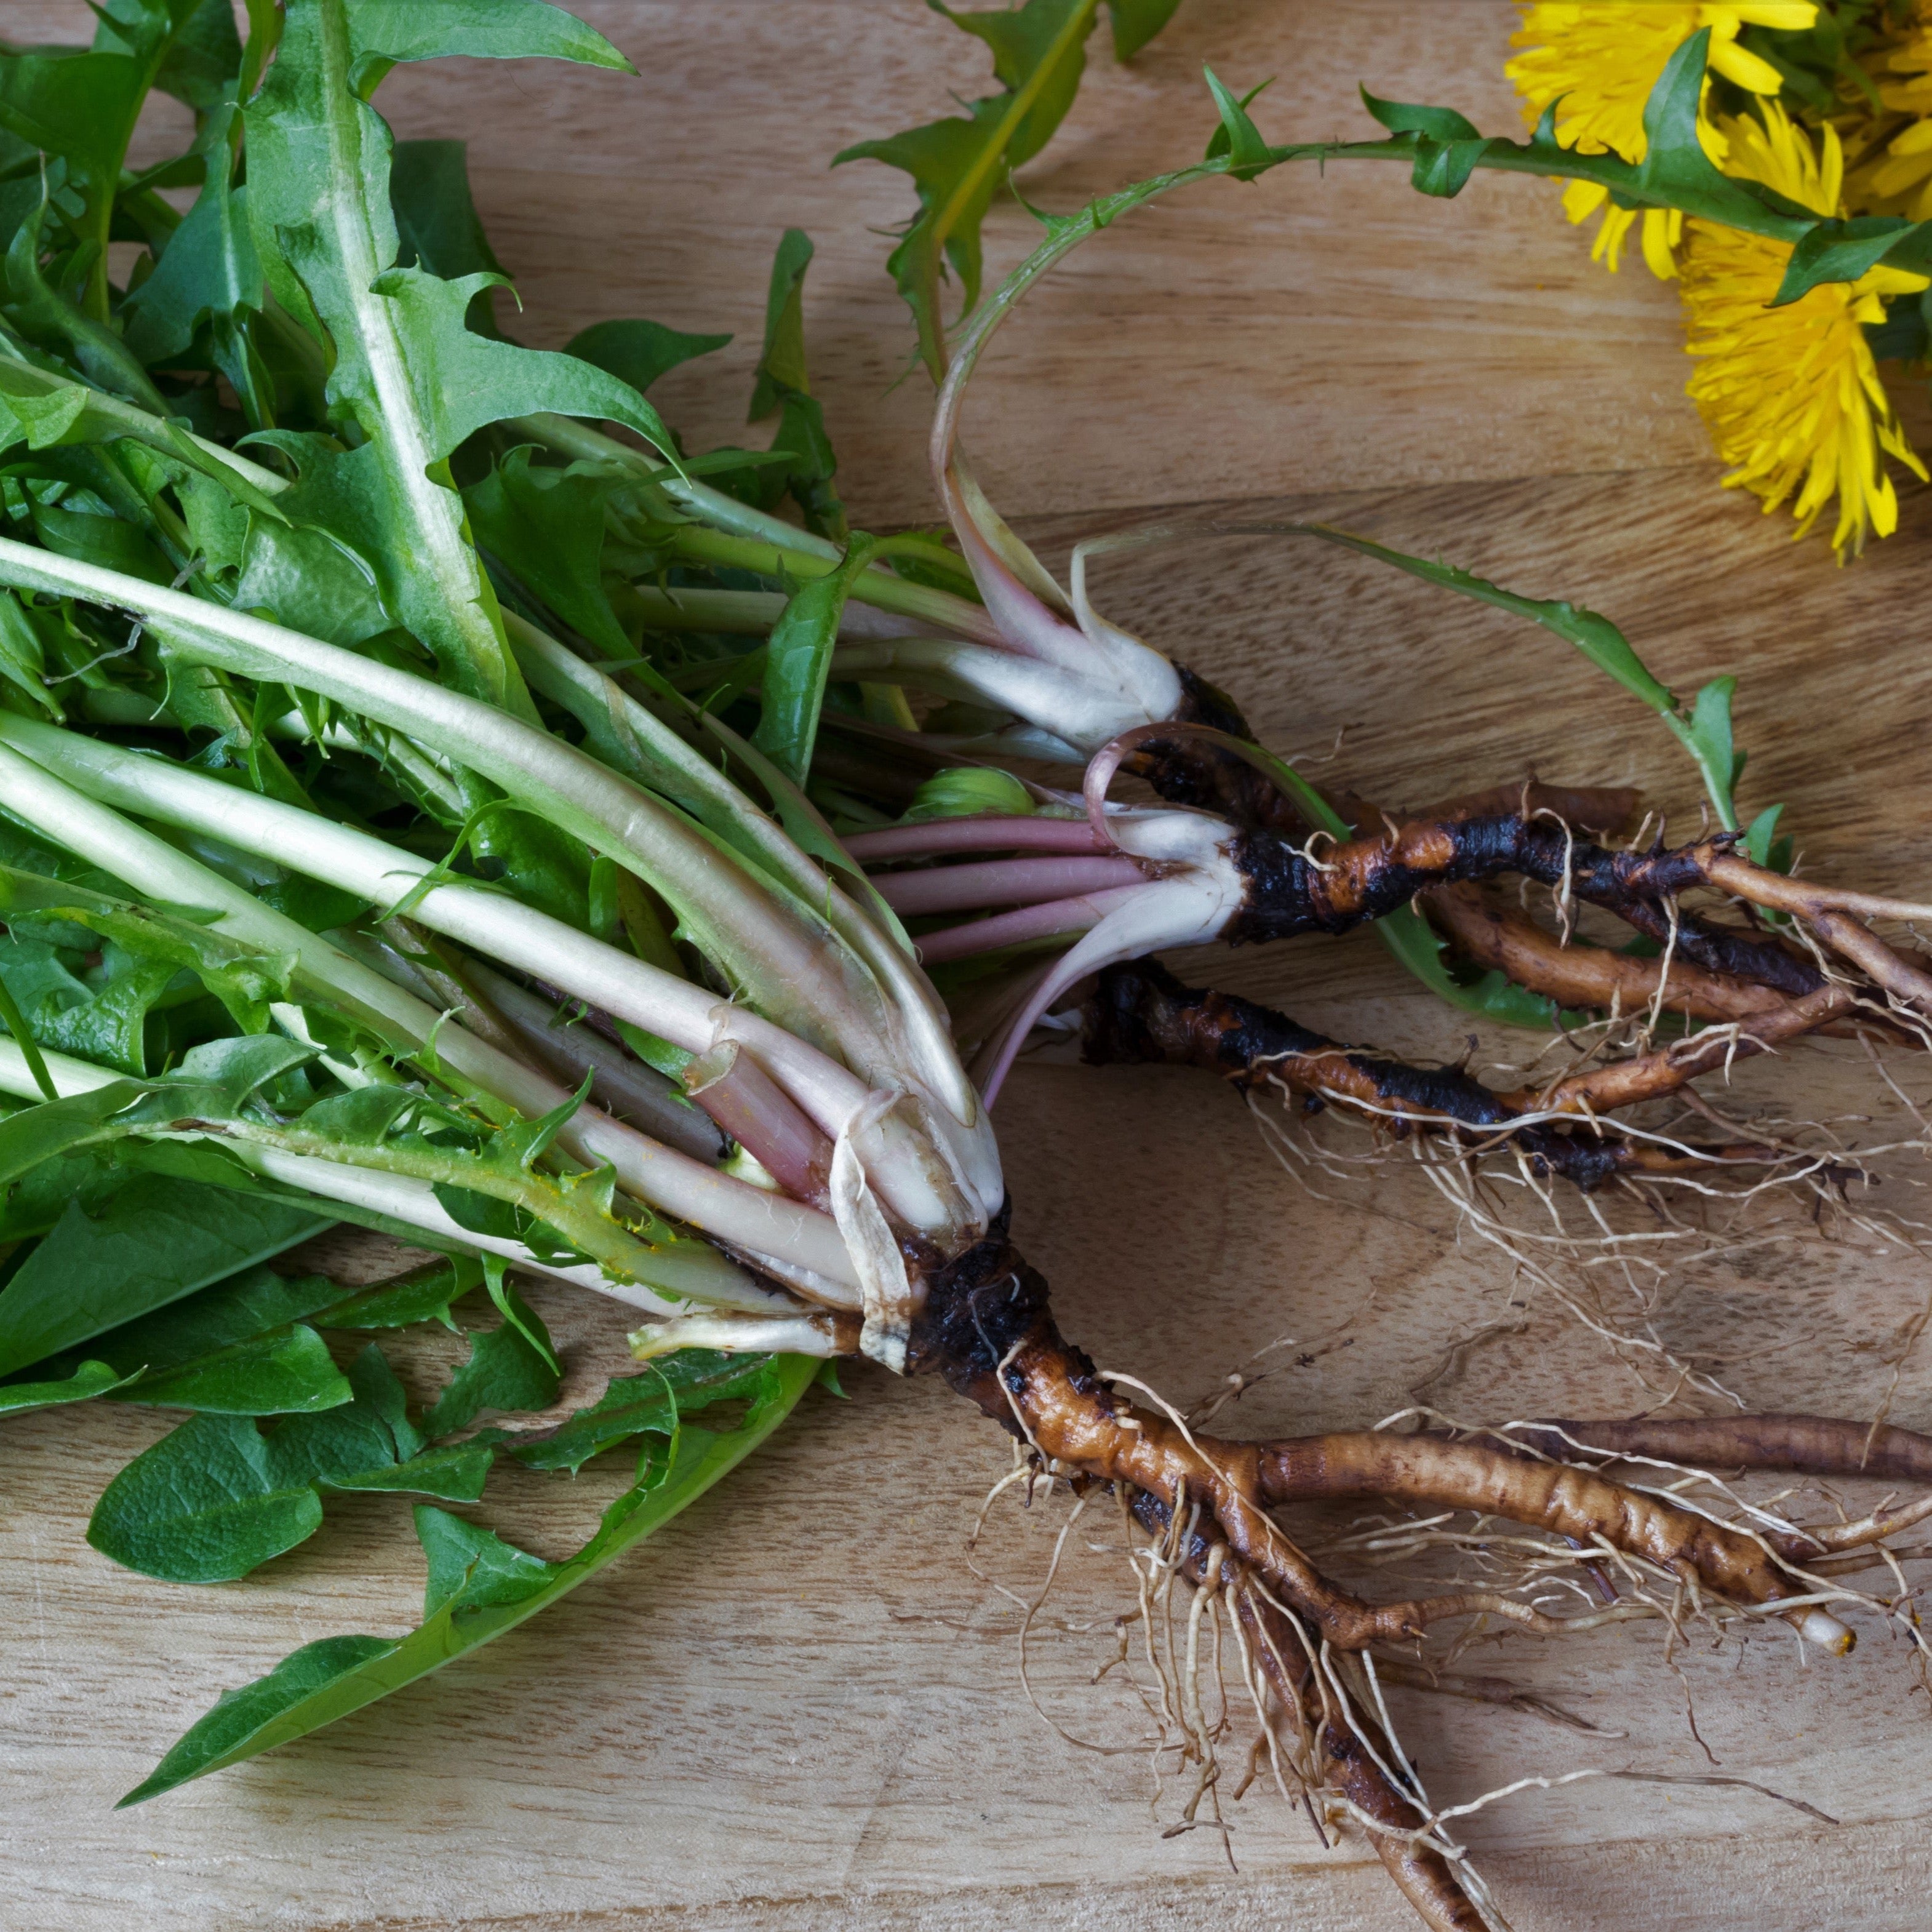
1603, 57
1791, 396
1896, 179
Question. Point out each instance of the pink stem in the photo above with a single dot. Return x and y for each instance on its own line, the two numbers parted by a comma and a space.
1002, 882
757, 1113
984, 833
1051, 921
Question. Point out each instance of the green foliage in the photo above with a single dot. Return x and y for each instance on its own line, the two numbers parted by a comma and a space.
79, 109
203, 1505
409, 379
798, 658
634, 1405
639, 352
478, 1587
966, 789
326, 302
210, 272
90, 1379
217, 1498
1408, 935
425, 1293
150, 1242
547, 526
505, 1371
289, 1373
784, 389
958, 164
1237, 139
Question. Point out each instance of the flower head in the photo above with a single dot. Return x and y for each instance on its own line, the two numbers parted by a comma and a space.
1791, 395
1599, 60
1895, 176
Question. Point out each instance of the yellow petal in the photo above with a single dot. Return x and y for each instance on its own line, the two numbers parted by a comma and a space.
1738, 64
1788, 16
1662, 227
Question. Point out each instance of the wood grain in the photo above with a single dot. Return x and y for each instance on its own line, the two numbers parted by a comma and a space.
799, 1707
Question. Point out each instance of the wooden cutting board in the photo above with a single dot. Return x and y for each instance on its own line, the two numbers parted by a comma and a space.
801, 1706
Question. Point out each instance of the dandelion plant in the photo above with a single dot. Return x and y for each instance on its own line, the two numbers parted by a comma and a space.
434, 799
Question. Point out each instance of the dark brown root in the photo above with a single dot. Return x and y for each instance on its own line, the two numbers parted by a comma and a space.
1651, 1076
1491, 934
986, 1326
1139, 1013
1292, 892
1185, 769
1548, 1495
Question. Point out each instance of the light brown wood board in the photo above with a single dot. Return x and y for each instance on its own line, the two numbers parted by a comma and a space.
800, 1706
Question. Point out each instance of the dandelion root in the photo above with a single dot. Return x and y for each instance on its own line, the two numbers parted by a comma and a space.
1138, 1012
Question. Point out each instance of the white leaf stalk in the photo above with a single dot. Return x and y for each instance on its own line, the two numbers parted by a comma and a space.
758, 1223
1109, 681
1193, 890
396, 1198
793, 966
892, 1134
667, 762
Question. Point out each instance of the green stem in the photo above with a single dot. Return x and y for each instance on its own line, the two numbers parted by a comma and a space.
1077, 25
786, 550
619, 1252
872, 585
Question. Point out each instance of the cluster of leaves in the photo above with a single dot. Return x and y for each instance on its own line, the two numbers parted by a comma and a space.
959, 163
299, 403
116, 1301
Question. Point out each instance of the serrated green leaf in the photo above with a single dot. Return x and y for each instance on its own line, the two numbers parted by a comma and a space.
203, 56
1759, 834
1136, 21
1838, 251
547, 526
425, 1293
289, 1373
1417, 944
408, 374
504, 1374
407, 30
48, 317
437, 226
471, 1568
798, 659
517, 1312
634, 1406
1447, 149
325, 1681
784, 387
957, 165
210, 267
1706, 735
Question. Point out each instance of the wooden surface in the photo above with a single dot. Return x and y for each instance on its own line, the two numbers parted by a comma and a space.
800, 1706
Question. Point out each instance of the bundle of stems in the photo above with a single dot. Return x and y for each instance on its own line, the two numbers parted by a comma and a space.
398, 831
